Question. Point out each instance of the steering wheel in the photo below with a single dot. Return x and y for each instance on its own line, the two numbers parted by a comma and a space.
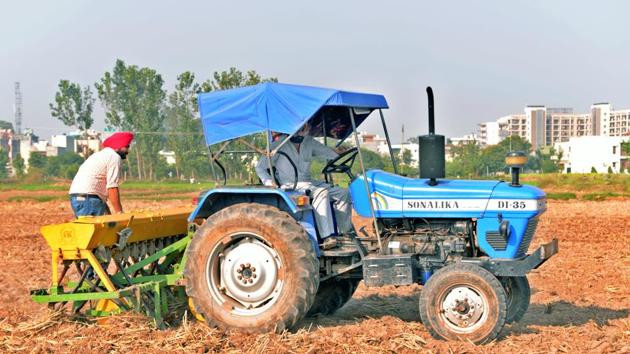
341, 164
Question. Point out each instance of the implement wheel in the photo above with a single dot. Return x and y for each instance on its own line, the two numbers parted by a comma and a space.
518, 295
332, 295
463, 302
251, 267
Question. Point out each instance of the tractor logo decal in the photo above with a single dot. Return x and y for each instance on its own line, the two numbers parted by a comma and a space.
379, 201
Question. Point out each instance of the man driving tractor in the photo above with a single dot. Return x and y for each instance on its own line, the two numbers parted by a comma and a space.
301, 149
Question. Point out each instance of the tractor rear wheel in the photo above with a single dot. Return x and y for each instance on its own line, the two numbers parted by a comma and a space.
518, 295
463, 302
251, 267
332, 295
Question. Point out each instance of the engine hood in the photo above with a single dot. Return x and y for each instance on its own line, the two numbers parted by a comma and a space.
397, 196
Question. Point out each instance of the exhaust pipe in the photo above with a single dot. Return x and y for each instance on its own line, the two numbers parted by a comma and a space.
432, 164
431, 111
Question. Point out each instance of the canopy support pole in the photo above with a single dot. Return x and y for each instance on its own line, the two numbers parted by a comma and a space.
214, 175
389, 144
365, 182
268, 155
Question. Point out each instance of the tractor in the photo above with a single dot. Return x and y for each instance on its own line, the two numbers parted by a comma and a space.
251, 257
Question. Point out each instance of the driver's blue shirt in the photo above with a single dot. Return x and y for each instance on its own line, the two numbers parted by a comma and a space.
309, 149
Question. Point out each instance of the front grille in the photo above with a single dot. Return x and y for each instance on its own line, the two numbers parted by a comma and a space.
527, 238
495, 240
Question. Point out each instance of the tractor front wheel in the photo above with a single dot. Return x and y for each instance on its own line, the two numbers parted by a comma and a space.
463, 302
252, 268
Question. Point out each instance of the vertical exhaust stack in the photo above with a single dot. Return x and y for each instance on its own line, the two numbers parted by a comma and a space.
431, 148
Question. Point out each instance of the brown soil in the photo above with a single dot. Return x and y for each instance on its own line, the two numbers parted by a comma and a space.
580, 301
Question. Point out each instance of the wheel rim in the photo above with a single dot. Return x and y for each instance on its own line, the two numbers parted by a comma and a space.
244, 274
463, 309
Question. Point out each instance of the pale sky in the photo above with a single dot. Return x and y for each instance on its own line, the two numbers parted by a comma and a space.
484, 59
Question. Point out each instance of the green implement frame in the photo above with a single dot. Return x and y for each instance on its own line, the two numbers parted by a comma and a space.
145, 283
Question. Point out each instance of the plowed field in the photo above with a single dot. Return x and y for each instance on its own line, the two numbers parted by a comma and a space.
580, 300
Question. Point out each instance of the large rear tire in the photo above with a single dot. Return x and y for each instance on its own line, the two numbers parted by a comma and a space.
252, 268
463, 302
332, 295
518, 294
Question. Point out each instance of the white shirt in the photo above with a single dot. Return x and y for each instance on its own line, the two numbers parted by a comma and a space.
98, 173
309, 148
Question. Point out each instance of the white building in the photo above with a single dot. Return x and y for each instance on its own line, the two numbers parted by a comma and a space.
490, 133
369, 141
63, 141
582, 154
468, 138
169, 156
399, 149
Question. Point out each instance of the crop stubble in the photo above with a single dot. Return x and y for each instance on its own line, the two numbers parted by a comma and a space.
580, 301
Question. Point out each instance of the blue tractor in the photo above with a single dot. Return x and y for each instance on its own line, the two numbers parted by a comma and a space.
257, 262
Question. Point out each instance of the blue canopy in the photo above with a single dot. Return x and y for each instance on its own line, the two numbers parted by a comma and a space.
283, 108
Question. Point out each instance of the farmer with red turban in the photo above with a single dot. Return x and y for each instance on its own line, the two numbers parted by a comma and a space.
98, 178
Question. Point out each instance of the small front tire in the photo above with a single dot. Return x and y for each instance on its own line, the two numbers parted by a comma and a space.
463, 302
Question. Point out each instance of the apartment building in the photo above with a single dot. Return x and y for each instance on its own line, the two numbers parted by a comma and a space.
619, 123
545, 126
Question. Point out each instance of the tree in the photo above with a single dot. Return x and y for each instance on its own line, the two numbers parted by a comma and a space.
493, 157
184, 130
4, 161
6, 125
133, 99
18, 166
233, 78
63, 166
73, 105
37, 160
406, 157
466, 160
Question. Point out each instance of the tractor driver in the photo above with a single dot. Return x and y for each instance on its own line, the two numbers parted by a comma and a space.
301, 149
98, 178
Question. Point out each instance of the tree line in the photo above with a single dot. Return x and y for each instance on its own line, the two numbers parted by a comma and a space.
134, 99
471, 160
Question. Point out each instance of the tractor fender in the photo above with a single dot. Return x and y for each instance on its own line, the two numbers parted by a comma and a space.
219, 198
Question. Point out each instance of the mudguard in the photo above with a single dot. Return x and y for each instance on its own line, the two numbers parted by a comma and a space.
219, 198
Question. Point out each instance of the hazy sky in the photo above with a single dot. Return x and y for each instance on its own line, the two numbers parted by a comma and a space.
484, 59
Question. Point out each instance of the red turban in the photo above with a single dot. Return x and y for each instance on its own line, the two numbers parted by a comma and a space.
118, 140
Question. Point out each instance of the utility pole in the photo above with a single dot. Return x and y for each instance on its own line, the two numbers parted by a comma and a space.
403, 135
17, 109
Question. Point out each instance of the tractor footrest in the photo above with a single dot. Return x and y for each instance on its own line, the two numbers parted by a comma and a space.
379, 270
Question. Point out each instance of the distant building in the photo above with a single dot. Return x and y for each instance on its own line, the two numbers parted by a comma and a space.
63, 141
545, 126
619, 123
399, 150
82, 143
490, 132
169, 156
582, 154
468, 138
369, 141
